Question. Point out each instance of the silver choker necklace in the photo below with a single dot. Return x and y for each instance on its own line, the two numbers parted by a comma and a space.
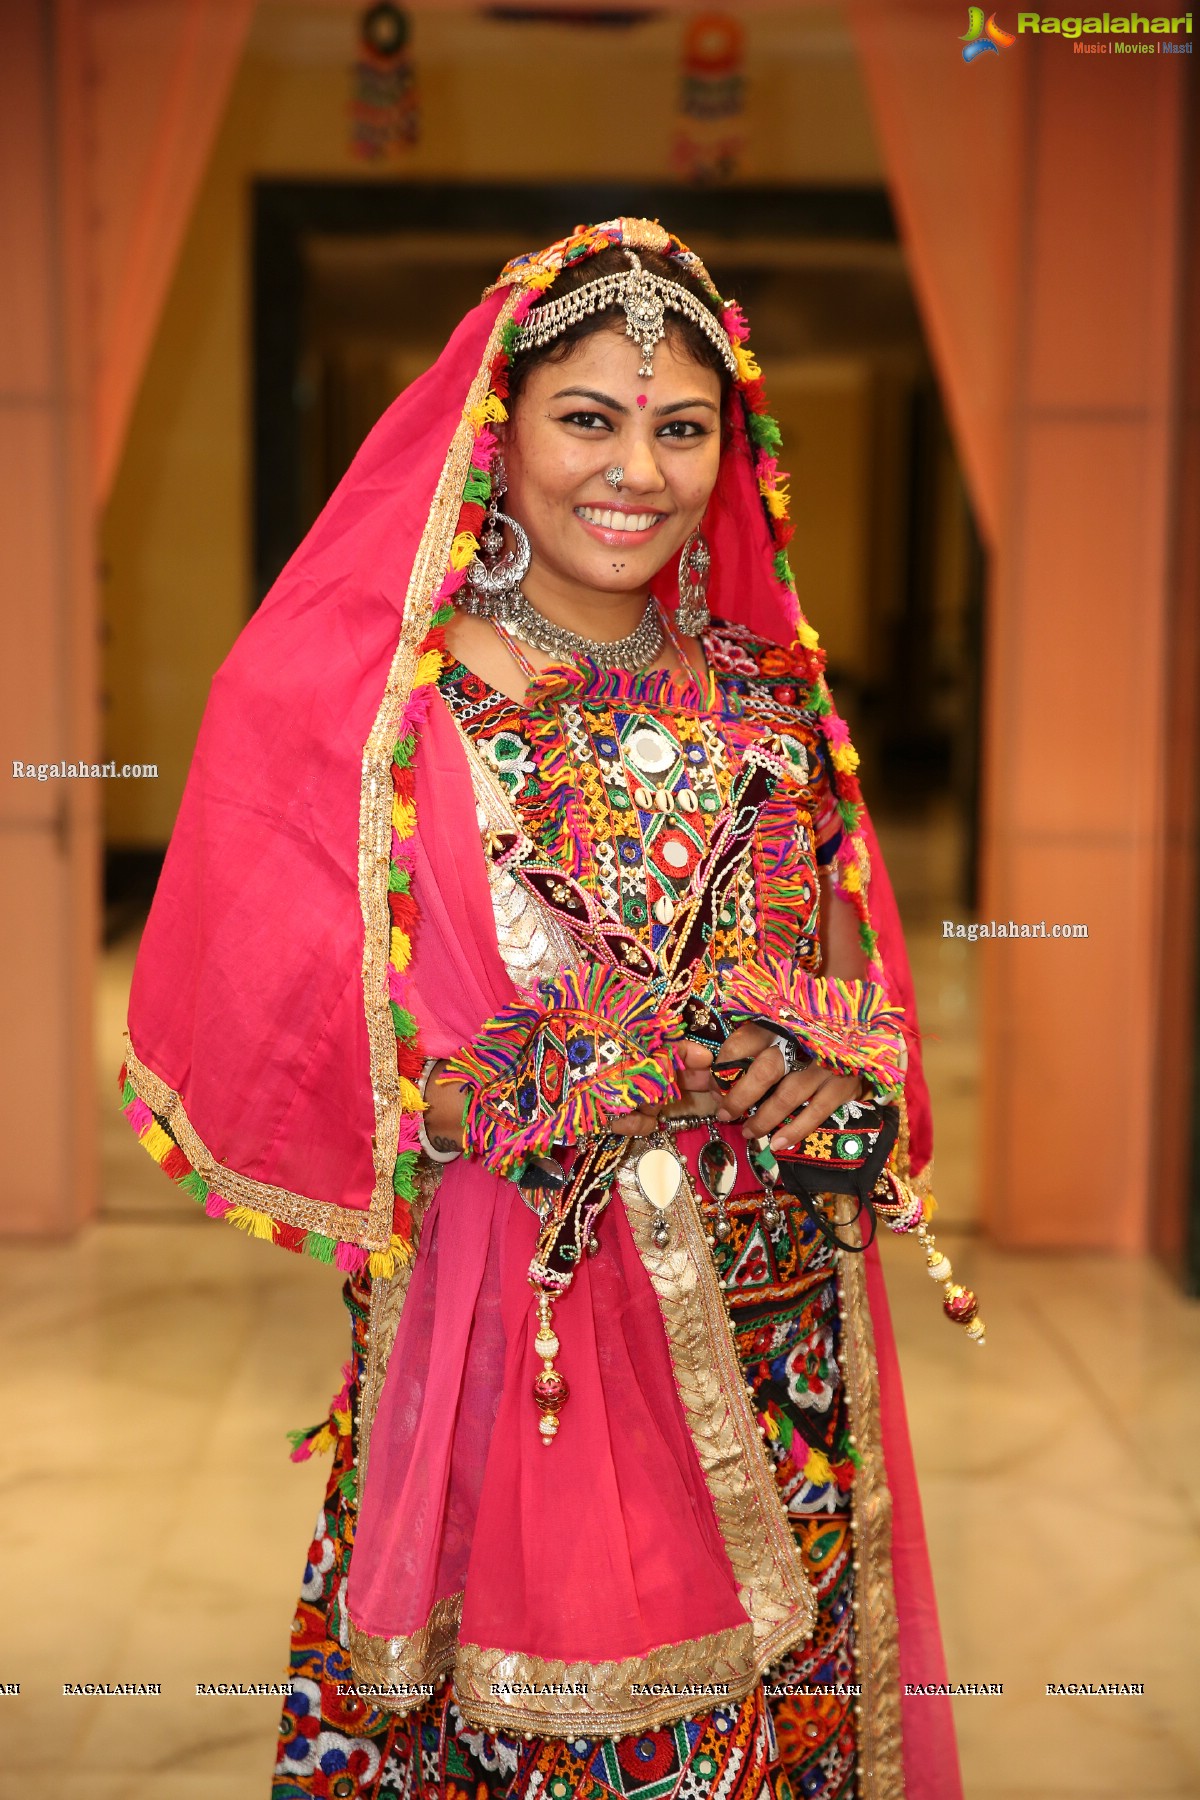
637, 651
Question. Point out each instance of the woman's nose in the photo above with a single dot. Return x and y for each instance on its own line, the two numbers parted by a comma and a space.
642, 472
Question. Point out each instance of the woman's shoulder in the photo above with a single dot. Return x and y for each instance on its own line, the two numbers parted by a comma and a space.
740, 654
768, 683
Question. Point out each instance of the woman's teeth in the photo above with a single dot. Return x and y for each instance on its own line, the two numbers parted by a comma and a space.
609, 520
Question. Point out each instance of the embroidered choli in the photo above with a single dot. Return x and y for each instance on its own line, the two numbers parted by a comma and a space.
620, 787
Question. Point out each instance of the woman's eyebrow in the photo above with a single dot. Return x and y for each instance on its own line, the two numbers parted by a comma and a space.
682, 405
591, 394
583, 393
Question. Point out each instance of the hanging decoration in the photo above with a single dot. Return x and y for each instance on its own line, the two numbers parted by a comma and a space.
384, 111
710, 139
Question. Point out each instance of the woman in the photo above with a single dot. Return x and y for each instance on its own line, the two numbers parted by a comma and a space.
531, 1015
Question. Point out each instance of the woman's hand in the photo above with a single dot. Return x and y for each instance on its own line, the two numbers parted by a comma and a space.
811, 1093
445, 1100
698, 1097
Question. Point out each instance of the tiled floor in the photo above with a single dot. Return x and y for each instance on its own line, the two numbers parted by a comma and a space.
157, 1530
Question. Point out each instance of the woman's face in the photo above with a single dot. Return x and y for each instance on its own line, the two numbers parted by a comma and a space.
576, 418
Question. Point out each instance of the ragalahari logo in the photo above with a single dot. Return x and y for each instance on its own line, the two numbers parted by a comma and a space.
979, 36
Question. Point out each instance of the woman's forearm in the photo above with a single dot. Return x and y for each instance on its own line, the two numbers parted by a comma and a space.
842, 953
444, 1102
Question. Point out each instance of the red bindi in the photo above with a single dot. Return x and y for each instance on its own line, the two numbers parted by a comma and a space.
641, 399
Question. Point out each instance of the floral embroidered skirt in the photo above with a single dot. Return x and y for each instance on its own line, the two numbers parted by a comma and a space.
773, 1745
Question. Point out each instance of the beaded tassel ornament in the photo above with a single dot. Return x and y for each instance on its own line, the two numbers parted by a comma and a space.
905, 1211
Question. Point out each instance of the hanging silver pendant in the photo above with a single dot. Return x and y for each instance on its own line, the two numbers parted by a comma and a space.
717, 1163
659, 1175
765, 1163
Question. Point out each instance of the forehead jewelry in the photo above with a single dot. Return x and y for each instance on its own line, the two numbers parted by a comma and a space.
643, 296
614, 476
641, 400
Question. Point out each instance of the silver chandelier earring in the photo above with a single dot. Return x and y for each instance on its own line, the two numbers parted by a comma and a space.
695, 561
495, 583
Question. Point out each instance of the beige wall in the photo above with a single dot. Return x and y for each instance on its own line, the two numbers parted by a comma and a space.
532, 102
824, 411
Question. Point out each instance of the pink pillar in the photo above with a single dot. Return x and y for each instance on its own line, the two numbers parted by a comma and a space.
159, 76
1039, 195
108, 111
1179, 901
48, 685
1078, 656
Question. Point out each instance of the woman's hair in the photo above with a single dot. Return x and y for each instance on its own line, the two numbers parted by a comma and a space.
615, 261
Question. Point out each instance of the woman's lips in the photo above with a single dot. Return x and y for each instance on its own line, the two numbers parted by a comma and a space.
619, 525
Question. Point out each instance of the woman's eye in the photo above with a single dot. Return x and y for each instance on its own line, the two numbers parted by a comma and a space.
684, 428
590, 421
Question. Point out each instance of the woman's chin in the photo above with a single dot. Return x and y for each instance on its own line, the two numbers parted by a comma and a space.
622, 573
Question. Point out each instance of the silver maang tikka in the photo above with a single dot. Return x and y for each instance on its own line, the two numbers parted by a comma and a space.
495, 577
645, 299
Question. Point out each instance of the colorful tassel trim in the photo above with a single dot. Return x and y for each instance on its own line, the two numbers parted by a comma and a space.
851, 864
155, 1137
847, 1025
586, 680
498, 1066
504, 1149
617, 1005
818, 1469
432, 659
320, 1438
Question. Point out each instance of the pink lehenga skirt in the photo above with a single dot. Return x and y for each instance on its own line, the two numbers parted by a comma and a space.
795, 1734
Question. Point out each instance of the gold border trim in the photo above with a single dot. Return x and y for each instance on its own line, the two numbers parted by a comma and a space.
343, 1223
722, 1660
375, 793
388, 1294
772, 1583
429, 1652
877, 1644
420, 1659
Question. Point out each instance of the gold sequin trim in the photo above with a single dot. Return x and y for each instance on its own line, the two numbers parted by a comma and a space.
772, 1583
597, 1699
350, 1224
880, 1750
429, 1652
420, 1659
388, 1294
920, 1184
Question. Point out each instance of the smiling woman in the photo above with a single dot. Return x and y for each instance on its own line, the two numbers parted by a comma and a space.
590, 957
581, 420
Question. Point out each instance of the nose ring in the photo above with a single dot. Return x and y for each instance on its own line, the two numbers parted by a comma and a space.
614, 476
